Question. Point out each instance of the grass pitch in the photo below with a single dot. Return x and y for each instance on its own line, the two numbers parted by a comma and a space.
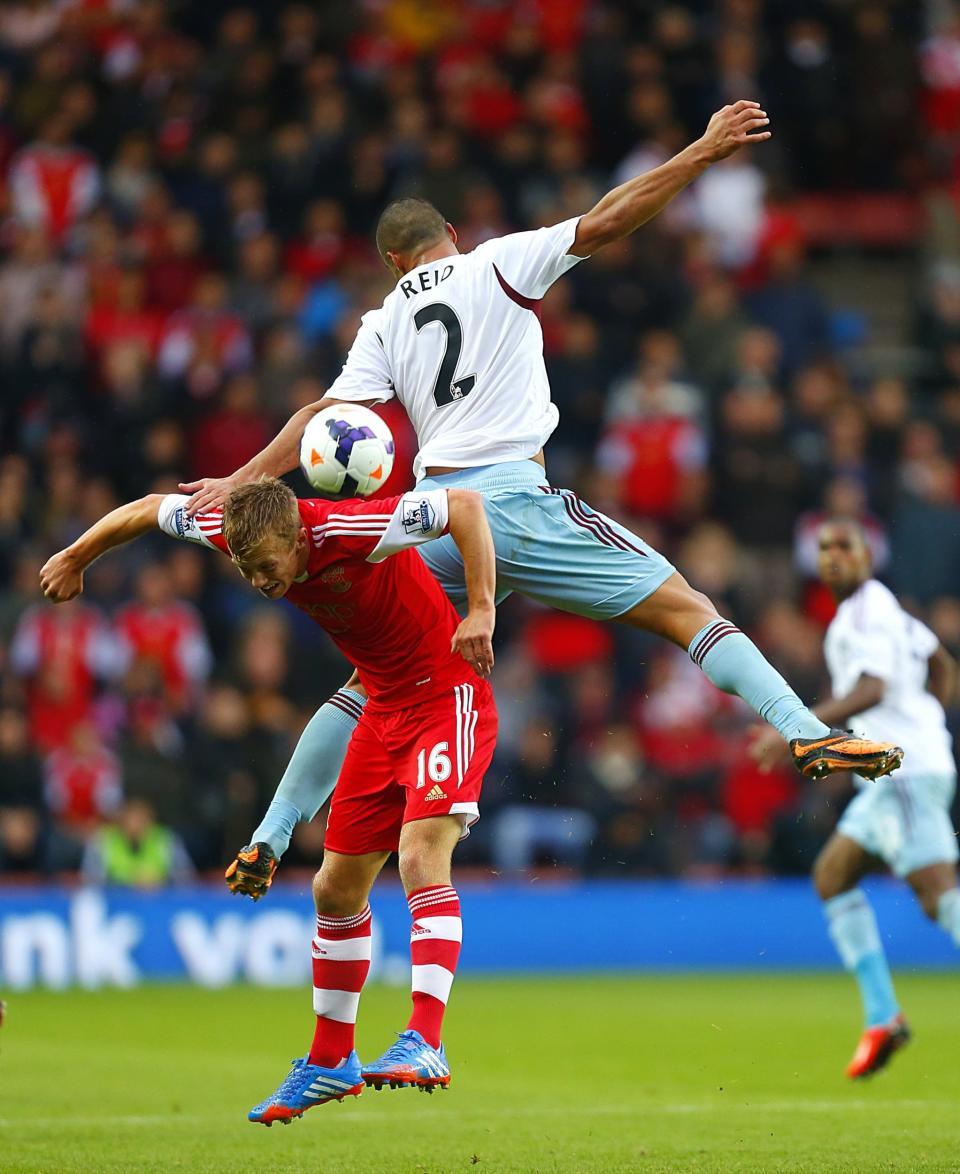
605, 1075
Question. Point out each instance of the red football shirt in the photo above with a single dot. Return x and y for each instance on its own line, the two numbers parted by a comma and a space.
368, 588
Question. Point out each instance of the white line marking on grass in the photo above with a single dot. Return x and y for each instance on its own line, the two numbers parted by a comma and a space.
679, 1108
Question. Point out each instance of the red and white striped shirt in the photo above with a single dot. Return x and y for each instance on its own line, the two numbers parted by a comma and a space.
387, 615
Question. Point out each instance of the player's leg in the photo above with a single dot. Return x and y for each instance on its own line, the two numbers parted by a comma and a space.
363, 827
935, 887
441, 766
418, 1058
553, 547
847, 857
733, 663
341, 950
928, 857
314, 767
331, 1069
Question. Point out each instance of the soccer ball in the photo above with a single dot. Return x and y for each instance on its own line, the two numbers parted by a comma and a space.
347, 450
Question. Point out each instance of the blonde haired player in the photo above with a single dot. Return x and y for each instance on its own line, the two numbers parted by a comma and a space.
412, 775
888, 672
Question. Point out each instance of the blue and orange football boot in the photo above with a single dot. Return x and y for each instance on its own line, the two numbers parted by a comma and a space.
411, 1061
308, 1085
876, 1046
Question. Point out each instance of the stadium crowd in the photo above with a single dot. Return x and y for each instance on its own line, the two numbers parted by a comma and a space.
187, 197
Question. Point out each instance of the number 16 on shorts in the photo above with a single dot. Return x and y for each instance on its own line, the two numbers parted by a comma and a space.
450, 752
437, 767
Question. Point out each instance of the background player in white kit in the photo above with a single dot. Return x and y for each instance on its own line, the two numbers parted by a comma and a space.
459, 343
888, 672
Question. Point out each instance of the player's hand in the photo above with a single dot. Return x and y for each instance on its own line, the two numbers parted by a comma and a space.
208, 492
61, 577
767, 748
474, 640
251, 873
733, 127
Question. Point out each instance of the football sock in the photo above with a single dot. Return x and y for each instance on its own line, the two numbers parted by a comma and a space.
312, 771
853, 927
341, 961
734, 664
948, 913
435, 939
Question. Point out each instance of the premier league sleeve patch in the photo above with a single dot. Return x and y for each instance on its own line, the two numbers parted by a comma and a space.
418, 516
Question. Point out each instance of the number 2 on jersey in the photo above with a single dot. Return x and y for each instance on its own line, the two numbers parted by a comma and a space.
447, 388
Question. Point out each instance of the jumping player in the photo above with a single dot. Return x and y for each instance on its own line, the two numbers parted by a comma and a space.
888, 672
459, 343
412, 775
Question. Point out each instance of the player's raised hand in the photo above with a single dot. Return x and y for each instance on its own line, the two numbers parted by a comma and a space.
208, 492
767, 748
61, 577
473, 639
734, 127
251, 873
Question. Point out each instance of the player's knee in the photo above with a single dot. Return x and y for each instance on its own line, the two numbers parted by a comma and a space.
424, 865
335, 897
827, 879
928, 899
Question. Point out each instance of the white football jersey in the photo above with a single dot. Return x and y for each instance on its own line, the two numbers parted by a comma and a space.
871, 633
458, 342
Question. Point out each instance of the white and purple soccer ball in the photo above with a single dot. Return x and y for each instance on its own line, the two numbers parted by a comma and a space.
347, 450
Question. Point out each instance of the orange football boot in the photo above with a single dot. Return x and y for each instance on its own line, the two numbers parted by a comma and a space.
876, 1046
815, 758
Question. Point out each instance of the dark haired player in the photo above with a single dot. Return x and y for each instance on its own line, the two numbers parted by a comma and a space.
459, 343
889, 672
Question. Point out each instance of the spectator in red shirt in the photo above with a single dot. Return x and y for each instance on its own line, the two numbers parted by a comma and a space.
82, 780
61, 654
53, 182
163, 631
238, 425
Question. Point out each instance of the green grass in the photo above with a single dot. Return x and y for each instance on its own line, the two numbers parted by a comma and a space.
585, 1075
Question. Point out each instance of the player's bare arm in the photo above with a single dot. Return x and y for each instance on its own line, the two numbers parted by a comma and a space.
61, 577
942, 676
767, 747
279, 457
470, 530
632, 204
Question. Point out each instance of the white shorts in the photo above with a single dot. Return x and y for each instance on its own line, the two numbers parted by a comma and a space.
905, 821
550, 545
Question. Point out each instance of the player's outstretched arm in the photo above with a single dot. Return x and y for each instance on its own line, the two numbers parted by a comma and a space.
469, 529
61, 577
632, 204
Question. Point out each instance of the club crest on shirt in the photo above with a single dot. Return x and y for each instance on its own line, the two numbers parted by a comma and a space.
335, 578
417, 515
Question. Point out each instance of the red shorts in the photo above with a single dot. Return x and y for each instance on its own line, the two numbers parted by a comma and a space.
410, 764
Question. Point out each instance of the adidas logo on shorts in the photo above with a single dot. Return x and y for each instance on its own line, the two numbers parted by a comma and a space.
435, 792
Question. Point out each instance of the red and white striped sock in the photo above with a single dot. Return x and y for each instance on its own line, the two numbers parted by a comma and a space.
341, 960
434, 950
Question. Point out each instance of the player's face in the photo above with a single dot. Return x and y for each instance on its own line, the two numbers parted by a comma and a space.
843, 558
274, 565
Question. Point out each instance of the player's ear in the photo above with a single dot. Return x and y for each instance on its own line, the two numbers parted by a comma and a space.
393, 264
451, 232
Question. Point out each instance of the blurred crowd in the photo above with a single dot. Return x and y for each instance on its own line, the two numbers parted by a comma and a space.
187, 197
